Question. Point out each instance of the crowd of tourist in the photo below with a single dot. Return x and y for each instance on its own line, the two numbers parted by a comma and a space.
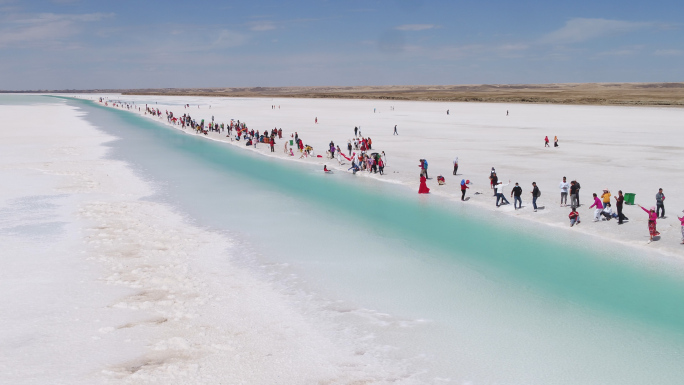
361, 158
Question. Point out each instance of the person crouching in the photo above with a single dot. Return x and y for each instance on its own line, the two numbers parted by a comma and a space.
574, 217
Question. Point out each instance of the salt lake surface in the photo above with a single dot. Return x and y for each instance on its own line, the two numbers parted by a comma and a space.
420, 290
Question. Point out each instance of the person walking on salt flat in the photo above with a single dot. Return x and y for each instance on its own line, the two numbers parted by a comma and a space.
546, 141
599, 208
499, 193
515, 194
535, 194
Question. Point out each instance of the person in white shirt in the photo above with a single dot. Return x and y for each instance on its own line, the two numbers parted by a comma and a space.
499, 193
607, 212
564, 186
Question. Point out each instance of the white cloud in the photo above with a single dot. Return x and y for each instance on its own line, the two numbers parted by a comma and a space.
228, 38
416, 27
580, 29
619, 52
36, 33
450, 53
44, 28
669, 52
623, 51
50, 17
261, 26
512, 47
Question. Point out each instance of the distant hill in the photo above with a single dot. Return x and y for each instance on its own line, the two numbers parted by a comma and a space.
650, 94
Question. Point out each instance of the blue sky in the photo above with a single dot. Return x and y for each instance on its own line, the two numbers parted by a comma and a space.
79, 44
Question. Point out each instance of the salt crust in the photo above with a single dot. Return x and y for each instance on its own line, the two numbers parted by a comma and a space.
197, 317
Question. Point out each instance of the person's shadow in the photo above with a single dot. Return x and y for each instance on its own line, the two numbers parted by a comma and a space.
541, 207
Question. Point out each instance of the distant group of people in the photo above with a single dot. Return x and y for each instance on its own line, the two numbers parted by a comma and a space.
516, 192
601, 204
373, 163
603, 209
555, 141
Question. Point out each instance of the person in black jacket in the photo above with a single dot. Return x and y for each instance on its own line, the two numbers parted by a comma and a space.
535, 194
619, 201
574, 190
494, 180
515, 193
578, 192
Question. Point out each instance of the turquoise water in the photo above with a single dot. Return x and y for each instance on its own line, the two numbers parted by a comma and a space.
486, 300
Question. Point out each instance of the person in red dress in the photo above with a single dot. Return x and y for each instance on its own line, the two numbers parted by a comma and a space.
652, 217
423, 189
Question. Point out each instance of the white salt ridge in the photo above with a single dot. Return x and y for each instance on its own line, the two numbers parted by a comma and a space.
127, 291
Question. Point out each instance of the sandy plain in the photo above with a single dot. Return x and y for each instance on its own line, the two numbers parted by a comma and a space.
634, 94
562, 93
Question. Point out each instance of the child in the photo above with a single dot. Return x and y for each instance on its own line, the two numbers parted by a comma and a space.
574, 217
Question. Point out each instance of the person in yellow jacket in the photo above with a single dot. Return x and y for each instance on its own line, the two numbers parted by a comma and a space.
605, 197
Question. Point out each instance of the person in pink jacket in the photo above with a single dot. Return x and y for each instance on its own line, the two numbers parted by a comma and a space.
599, 208
681, 219
652, 216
